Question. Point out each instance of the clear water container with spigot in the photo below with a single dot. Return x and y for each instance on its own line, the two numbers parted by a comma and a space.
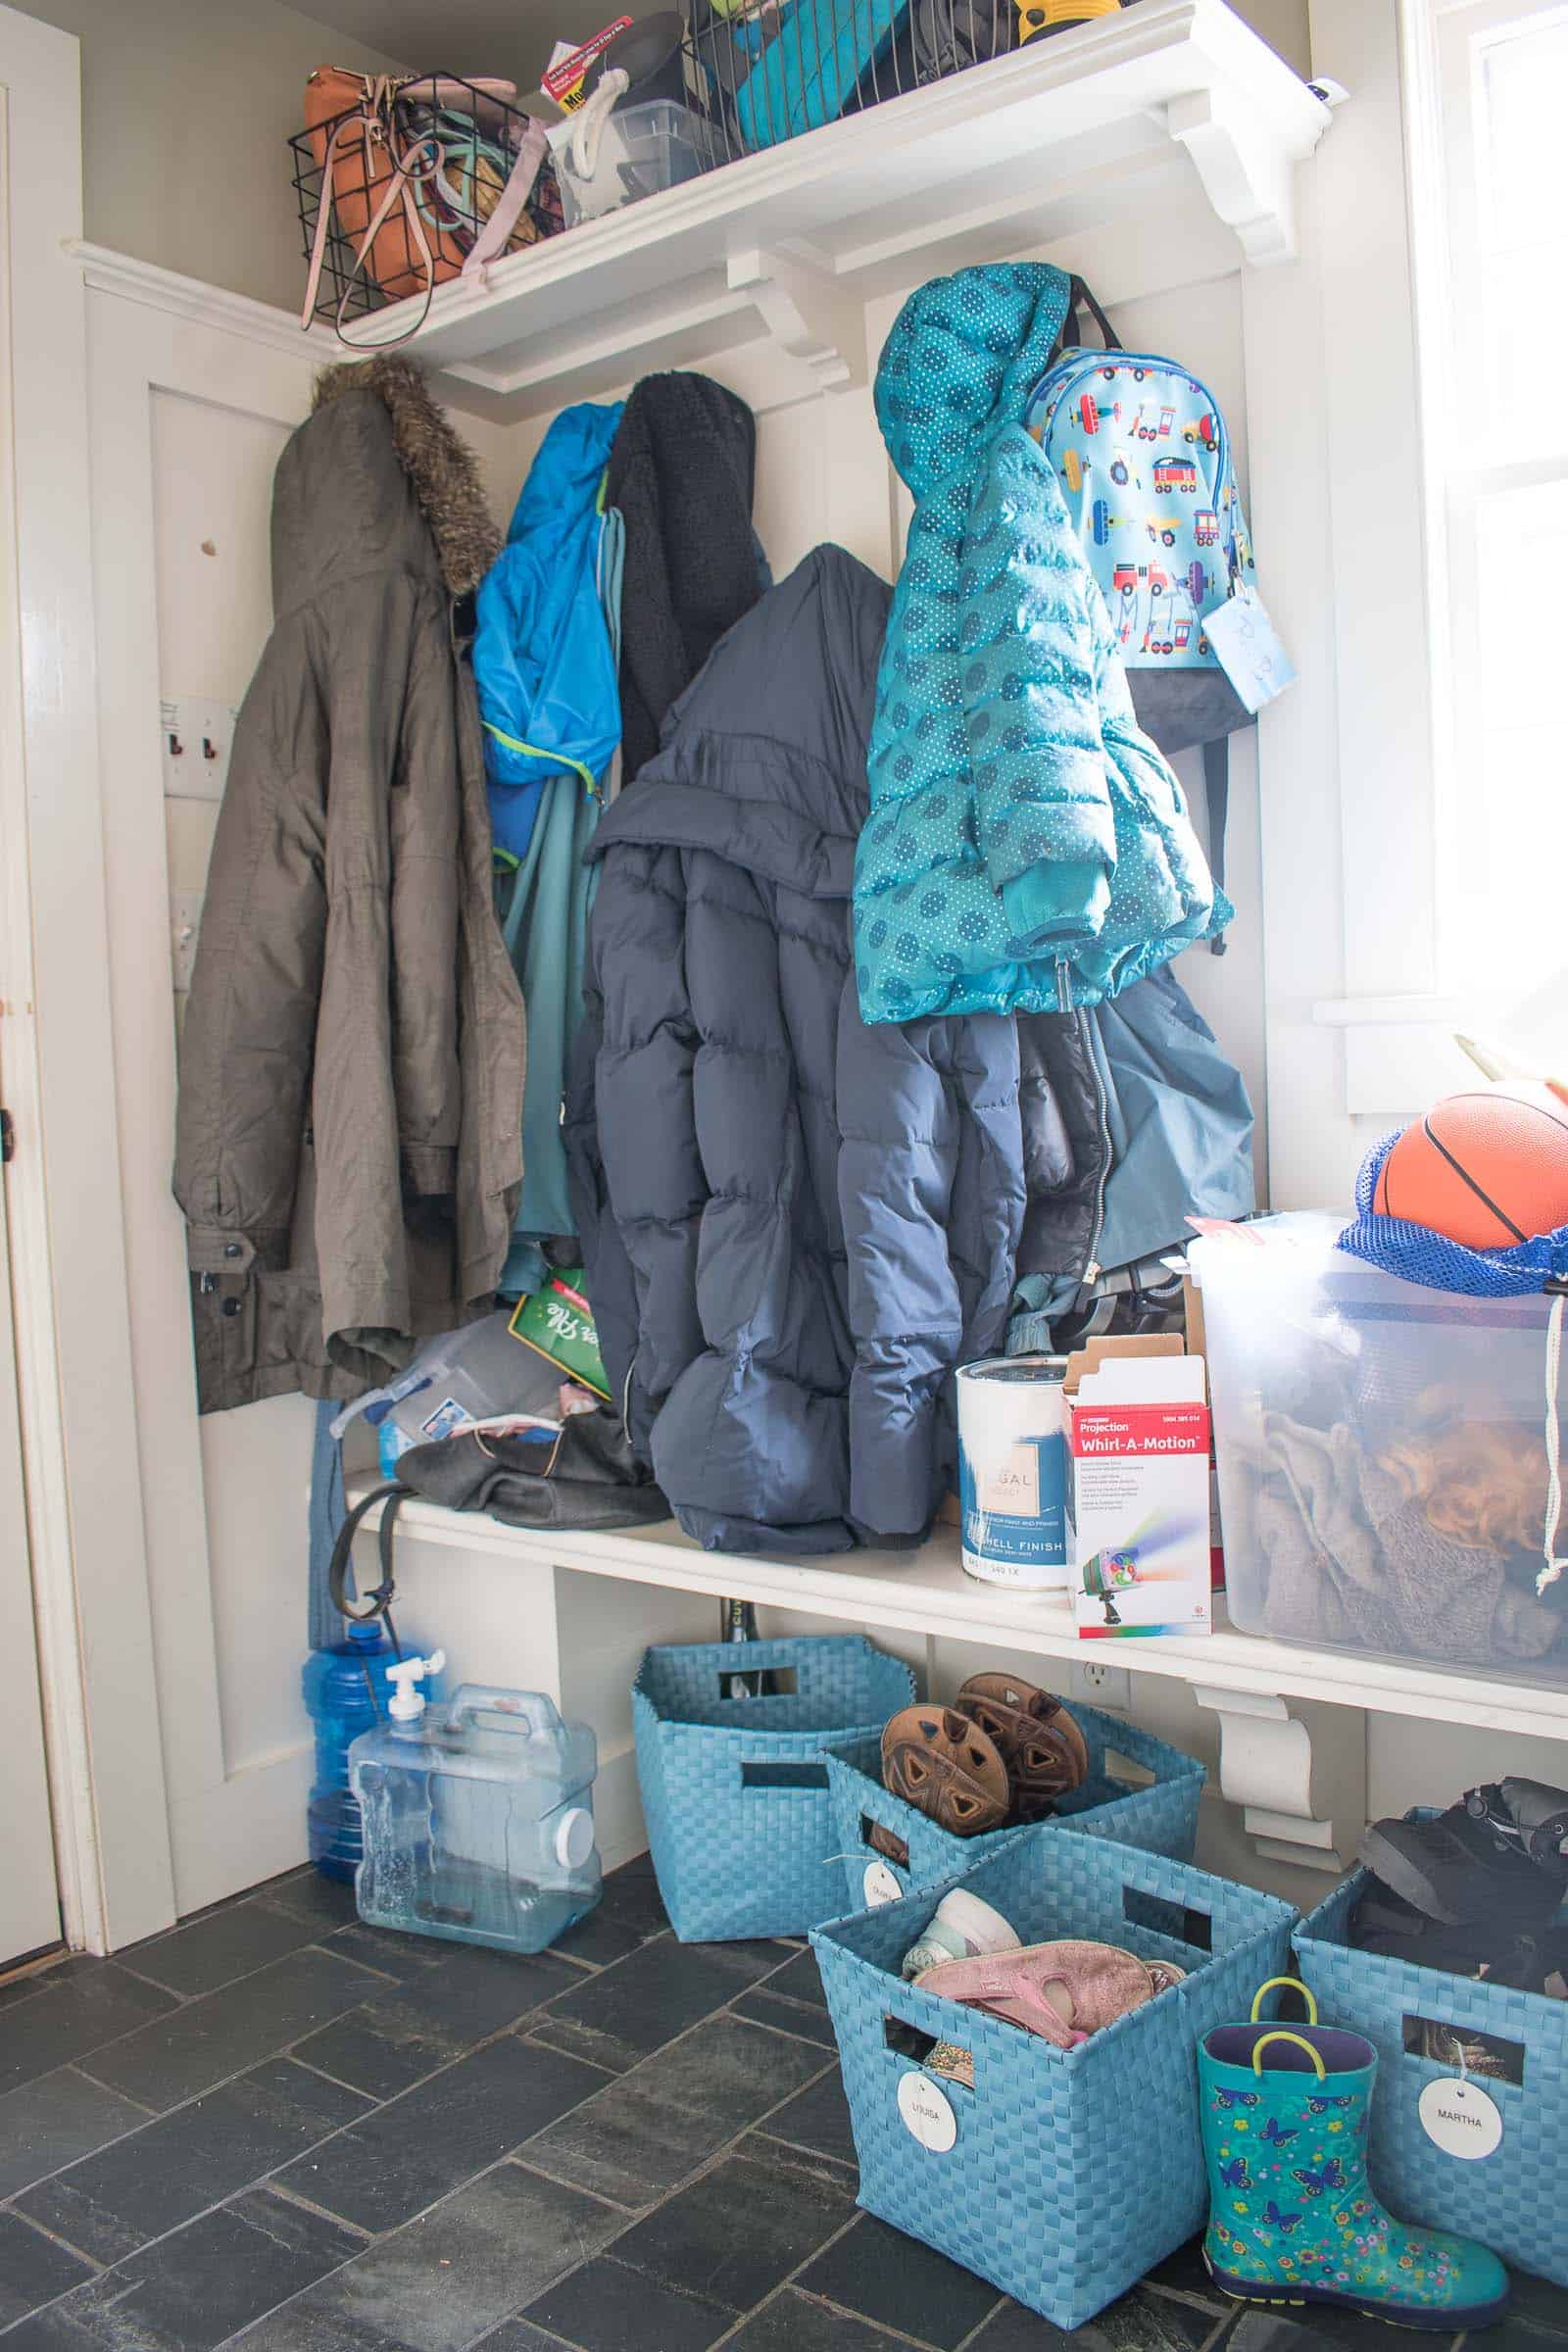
478, 1815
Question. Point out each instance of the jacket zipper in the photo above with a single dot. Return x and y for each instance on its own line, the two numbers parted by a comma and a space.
1091, 1269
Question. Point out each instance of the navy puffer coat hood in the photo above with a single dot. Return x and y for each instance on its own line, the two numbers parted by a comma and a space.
794, 1224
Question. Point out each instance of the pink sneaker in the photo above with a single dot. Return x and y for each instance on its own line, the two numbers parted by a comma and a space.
1061, 1992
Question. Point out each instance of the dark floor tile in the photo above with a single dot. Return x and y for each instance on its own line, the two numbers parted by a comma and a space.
740, 2228
800, 1980
1355, 2331
81, 2011
521, 2335
1277, 2331
633, 2007
1185, 2272
448, 2277
786, 2017
33, 2269
394, 1955
818, 2120
1138, 2323
51, 2121
327, 1904
605, 2307
602, 1938
197, 2288
208, 2040
224, 1945
405, 2032
645, 2131
1508, 2335
631, 1896
794, 2322
1537, 2300
172, 2170
393, 2163
894, 2279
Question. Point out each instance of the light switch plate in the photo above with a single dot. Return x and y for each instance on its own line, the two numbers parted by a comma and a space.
194, 739
185, 922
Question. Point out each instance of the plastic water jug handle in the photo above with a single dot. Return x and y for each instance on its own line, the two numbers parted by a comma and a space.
529, 1710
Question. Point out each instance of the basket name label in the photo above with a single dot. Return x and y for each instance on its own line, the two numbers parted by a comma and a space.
927, 2113
1458, 2117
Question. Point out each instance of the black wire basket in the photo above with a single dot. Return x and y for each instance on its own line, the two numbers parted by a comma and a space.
398, 186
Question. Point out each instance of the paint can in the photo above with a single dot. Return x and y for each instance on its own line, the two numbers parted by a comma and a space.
1012, 1470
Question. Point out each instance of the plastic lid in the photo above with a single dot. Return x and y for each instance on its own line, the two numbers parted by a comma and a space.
574, 1837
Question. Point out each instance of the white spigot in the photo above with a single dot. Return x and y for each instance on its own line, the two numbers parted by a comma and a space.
407, 1703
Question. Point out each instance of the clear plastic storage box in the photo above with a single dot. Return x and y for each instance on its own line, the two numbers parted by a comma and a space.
639, 150
1382, 1455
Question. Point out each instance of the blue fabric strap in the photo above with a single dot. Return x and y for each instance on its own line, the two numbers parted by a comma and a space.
328, 1510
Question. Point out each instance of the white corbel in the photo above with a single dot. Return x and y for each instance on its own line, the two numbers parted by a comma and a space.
810, 314
1298, 1773
1247, 180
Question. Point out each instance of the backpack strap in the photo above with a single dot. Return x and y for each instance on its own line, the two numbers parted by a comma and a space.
393, 1496
1218, 789
1080, 298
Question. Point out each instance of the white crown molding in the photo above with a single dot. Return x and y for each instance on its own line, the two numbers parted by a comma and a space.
110, 272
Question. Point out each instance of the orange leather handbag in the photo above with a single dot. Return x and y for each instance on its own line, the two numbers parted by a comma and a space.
387, 148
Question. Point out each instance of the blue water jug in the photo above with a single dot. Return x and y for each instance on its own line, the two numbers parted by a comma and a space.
478, 1816
346, 1691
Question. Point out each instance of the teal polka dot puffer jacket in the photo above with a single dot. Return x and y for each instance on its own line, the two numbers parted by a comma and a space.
1028, 849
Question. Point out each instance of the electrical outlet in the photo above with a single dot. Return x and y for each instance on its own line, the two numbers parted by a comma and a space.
1102, 1686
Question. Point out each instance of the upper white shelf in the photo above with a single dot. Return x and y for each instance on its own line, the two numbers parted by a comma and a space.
1118, 121
1057, 136
926, 1592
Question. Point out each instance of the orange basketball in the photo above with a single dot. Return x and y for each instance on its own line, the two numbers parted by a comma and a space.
1487, 1168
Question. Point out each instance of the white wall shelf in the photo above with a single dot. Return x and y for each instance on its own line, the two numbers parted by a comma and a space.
927, 1592
1117, 120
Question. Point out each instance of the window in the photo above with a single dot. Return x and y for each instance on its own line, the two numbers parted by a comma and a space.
1494, 349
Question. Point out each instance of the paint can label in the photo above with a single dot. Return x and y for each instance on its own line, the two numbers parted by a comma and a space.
1012, 1471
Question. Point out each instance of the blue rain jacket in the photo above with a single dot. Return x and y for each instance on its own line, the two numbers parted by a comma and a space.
1028, 849
542, 658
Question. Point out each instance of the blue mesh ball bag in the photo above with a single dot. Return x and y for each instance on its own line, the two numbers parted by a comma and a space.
735, 1790
1066, 2174
873, 1824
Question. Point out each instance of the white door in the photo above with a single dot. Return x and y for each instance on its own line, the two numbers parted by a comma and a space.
30, 1901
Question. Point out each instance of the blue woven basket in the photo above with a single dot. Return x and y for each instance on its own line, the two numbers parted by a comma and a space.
1516, 2200
1161, 1818
735, 1792
1074, 2172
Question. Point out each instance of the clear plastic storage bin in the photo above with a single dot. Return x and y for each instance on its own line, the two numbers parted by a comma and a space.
639, 150
1382, 1455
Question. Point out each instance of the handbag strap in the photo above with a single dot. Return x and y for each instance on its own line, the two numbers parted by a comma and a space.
370, 121
496, 233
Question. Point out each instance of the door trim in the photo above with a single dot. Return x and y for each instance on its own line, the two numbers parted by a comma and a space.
69, 1275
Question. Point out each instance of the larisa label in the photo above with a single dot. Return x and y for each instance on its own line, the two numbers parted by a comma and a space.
1458, 2117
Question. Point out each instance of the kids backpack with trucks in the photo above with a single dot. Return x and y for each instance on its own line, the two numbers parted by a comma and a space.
1144, 461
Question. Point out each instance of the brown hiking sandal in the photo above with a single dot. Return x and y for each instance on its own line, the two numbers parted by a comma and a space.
1039, 1740
941, 1763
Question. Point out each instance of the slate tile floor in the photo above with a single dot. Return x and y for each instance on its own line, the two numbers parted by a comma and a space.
276, 2130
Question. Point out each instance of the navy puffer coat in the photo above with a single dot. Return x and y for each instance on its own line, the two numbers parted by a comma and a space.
793, 1225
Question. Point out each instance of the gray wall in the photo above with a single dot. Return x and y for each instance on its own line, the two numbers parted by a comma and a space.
186, 106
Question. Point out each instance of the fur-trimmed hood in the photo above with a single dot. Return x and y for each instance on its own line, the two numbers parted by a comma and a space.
377, 479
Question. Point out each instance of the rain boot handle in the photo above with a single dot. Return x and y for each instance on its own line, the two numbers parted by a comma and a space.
1279, 2034
1295, 1985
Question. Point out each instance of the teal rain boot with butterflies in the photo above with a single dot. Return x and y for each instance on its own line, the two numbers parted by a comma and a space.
1291, 2214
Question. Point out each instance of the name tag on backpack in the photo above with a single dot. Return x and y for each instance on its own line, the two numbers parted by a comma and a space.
1248, 649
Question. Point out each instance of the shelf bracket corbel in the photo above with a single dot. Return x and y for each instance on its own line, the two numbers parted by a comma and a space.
1249, 183
809, 313
1297, 1772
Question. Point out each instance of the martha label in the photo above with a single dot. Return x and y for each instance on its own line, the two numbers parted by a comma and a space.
1458, 2117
